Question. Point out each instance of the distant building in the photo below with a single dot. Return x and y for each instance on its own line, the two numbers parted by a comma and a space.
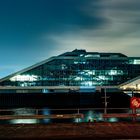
77, 68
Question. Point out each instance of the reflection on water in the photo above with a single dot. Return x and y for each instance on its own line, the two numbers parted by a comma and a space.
77, 120
90, 115
113, 120
46, 111
23, 111
23, 121
93, 116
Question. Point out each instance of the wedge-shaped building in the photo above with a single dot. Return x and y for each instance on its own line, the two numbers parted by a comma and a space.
77, 68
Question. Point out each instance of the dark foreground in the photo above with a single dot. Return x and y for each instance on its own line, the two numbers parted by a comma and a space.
69, 131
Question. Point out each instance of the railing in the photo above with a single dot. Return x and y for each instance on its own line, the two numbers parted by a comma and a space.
56, 116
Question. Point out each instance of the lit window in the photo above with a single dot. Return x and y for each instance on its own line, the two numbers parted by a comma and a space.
102, 77
77, 78
81, 55
87, 72
24, 78
135, 61
92, 55
87, 83
115, 72
63, 66
75, 62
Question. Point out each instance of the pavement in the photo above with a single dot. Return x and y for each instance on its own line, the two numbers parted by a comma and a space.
79, 131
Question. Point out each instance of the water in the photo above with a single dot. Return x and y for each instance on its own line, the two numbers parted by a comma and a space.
90, 115
47, 104
23, 111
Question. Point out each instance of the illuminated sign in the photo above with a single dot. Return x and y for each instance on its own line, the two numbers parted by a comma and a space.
135, 102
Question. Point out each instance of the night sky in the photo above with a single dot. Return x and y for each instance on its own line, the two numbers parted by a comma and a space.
34, 30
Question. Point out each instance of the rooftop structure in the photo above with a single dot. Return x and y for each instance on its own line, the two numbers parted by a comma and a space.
77, 68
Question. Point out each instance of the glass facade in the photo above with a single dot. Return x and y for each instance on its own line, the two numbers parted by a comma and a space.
78, 68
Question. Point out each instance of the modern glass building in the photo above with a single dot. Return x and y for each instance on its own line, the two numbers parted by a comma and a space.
77, 68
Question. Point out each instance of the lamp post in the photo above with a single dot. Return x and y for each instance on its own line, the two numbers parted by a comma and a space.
105, 109
105, 101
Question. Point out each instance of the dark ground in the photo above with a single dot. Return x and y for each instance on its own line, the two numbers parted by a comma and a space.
69, 131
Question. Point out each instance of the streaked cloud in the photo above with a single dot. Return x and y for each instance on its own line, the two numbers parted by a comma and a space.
33, 30
118, 32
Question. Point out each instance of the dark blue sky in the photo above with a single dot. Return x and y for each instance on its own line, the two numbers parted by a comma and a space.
34, 30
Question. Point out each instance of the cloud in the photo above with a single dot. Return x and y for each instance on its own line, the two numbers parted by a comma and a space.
119, 32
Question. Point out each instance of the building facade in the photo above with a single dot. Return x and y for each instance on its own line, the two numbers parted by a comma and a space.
77, 68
